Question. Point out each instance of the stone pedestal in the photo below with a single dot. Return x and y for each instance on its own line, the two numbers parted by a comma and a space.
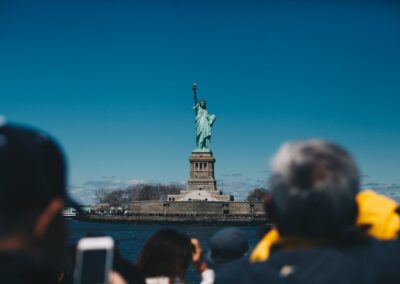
202, 185
202, 172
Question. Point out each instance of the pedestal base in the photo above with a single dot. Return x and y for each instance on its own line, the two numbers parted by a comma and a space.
202, 185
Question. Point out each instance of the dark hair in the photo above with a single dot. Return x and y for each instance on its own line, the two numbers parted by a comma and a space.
314, 184
32, 173
166, 253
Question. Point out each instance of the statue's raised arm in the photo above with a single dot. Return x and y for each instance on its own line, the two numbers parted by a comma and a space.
194, 89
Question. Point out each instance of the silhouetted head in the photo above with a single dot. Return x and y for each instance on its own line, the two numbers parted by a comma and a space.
166, 253
32, 193
227, 245
313, 185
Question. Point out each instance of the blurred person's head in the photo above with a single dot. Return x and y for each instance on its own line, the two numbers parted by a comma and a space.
32, 193
227, 245
166, 253
313, 185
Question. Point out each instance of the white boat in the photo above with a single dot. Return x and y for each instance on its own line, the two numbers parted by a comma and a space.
69, 212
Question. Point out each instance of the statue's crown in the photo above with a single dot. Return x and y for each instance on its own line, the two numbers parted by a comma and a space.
203, 100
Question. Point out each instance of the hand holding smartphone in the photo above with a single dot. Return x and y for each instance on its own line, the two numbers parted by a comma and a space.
94, 260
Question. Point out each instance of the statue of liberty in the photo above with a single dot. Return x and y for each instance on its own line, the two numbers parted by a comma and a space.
204, 122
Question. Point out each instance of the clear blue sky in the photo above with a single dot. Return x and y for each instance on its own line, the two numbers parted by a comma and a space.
112, 81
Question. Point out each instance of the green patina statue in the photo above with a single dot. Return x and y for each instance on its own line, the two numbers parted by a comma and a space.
204, 122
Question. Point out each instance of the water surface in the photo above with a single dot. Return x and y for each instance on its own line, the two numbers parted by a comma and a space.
131, 237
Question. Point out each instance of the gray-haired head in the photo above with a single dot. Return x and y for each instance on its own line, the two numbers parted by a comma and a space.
313, 185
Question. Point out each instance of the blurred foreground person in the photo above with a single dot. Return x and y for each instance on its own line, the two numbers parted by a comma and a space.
313, 205
165, 257
32, 195
226, 246
378, 217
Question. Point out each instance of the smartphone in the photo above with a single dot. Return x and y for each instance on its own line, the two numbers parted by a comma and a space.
94, 260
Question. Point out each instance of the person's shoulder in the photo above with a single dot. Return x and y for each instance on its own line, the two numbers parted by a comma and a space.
379, 260
383, 252
377, 248
18, 267
245, 272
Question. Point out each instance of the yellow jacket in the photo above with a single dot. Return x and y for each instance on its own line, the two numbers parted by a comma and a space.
374, 209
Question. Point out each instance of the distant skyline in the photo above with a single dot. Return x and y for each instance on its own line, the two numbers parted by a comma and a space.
111, 80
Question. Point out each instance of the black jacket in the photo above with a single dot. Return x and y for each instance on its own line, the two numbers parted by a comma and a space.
371, 262
19, 268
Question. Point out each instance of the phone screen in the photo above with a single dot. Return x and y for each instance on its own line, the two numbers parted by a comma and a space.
93, 267
94, 260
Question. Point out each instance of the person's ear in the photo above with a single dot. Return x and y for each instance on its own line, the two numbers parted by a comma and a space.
45, 217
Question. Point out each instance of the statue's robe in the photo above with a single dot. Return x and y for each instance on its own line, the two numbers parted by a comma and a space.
204, 121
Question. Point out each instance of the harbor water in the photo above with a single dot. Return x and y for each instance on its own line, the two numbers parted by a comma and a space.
131, 237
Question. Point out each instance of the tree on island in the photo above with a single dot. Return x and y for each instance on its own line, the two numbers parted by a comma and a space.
137, 192
100, 195
256, 194
117, 198
159, 192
